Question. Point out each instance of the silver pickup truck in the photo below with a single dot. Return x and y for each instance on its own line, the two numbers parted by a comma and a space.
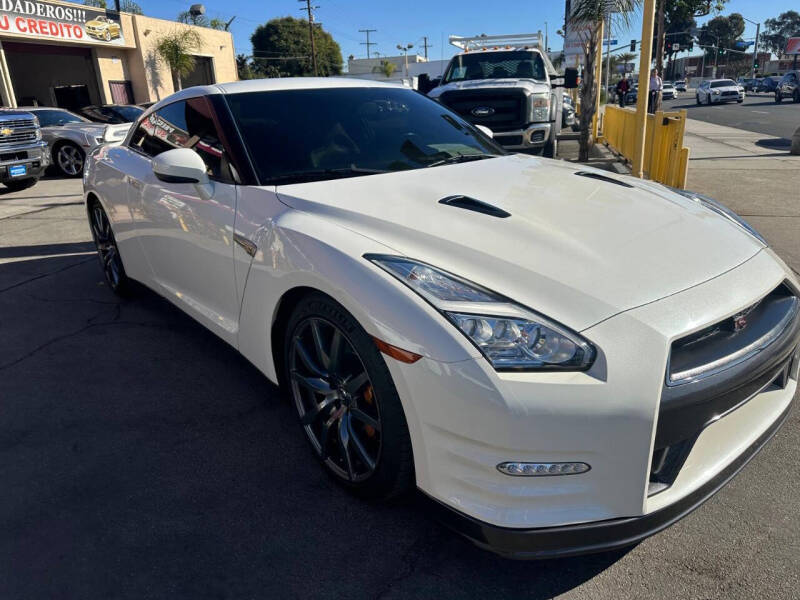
23, 153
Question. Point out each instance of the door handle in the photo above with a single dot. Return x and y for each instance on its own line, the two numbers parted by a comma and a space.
135, 183
246, 245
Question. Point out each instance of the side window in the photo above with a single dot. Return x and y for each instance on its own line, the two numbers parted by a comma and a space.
184, 124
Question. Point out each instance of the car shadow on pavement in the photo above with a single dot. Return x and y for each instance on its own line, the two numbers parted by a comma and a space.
142, 457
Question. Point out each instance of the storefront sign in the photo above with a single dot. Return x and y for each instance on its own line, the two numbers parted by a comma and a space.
34, 18
793, 46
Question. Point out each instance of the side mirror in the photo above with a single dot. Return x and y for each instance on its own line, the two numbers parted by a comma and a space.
570, 78
181, 165
485, 130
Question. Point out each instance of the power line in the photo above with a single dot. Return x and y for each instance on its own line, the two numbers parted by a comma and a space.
426, 45
368, 43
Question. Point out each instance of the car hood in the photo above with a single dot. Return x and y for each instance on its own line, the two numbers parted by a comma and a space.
110, 133
576, 248
473, 84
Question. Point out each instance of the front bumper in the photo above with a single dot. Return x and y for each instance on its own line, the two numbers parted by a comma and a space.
535, 135
465, 419
35, 158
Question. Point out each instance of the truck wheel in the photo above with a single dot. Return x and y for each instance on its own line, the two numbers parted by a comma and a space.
16, 185
69, 159
551, 148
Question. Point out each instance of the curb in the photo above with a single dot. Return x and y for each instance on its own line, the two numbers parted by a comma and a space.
599, 150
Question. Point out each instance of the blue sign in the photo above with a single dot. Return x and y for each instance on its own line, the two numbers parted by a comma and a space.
743, 44
17, 170
611, 42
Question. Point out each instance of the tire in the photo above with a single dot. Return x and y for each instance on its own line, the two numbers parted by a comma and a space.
107, 35
69, 159
778, 98
107, 251
708, 100
15, 185
550, 149
796, 96
740, 101
346, 400
697, 97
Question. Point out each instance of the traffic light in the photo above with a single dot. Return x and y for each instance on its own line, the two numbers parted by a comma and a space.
633, 45
690, 47
755, 64
721, 51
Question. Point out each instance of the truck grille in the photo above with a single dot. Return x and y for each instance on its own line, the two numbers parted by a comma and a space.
17, 123
507, 109
17, 138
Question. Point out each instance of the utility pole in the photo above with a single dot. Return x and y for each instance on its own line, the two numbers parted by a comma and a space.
661, 38
368, 43
426, 45
608, 56
404, 49
310, 10
755, 46
648, 20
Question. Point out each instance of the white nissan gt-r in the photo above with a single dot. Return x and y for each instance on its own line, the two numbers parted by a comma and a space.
560, 359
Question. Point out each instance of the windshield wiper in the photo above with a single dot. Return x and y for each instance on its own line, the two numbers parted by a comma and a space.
461, 158
321, 175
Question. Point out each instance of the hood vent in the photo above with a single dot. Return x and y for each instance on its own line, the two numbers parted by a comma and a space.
472, 204
601, 177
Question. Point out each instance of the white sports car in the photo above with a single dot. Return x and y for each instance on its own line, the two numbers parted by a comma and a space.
562, 360
717, 91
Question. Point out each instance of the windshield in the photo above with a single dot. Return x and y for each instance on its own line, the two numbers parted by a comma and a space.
49, 118
722, 83
129, 113
496, 65
316, 134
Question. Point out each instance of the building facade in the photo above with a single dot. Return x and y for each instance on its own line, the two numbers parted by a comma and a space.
56, 53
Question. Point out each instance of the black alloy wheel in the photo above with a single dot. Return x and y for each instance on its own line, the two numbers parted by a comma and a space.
346, 400
107, 250
778, 97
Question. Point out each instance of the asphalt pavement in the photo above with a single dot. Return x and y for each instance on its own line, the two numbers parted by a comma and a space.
758, 113
141, 457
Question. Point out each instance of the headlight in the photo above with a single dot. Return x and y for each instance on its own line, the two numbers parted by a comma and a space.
715, 91
541, 107
724, 211
510, 336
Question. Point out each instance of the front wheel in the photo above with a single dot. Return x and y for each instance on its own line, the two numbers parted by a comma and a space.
69, 159
796, 96
15, 185
778, 98
697, 97
346, 400
550, 149
107, 251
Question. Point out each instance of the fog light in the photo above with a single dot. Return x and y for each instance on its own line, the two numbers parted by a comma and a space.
526, 469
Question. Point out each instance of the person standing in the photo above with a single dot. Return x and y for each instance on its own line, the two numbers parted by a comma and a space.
656, 86
623, 87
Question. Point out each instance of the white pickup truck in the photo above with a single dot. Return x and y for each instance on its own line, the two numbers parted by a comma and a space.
505, 83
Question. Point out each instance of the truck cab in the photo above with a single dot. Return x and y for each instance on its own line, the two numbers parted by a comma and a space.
505, 83
23, 154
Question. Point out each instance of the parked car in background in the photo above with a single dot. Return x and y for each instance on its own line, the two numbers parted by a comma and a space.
568, 114
749, 84
562, 359
112, 114
632, 96
788, 87
668, 91
768, 84
23, 153
717, 91
71, 137
680, 85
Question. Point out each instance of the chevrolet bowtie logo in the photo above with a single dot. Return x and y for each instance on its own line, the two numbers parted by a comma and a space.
6, 131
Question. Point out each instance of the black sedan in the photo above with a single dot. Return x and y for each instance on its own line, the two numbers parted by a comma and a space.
112, 114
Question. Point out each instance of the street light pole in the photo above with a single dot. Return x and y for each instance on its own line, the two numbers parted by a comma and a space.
405, 50
608, 56
755, 46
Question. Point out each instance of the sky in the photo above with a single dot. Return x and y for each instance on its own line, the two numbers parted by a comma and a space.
407, 21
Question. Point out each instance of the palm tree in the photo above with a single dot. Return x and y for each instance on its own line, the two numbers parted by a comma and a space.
591, 14
176, 49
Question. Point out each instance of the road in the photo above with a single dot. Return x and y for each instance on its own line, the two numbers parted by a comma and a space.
757, 113
142, 458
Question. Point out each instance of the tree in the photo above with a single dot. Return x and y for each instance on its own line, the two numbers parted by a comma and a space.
386, 67
126, 6
589, 16
778, 31
721, 32
244, 67
679, 16
176, 49
282, 49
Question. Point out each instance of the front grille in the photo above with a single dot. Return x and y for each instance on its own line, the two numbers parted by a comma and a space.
732, 340
16, 123
509, 140
17, 138
716, 370
730, 93
7, 156
508, 108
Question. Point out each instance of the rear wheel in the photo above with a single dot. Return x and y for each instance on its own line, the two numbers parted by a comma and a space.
778, 97
346, 400
16, 185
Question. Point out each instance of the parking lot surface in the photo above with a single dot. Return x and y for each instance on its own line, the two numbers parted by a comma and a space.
141, 457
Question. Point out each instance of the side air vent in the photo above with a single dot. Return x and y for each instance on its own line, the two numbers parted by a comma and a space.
472, 204
601, 177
